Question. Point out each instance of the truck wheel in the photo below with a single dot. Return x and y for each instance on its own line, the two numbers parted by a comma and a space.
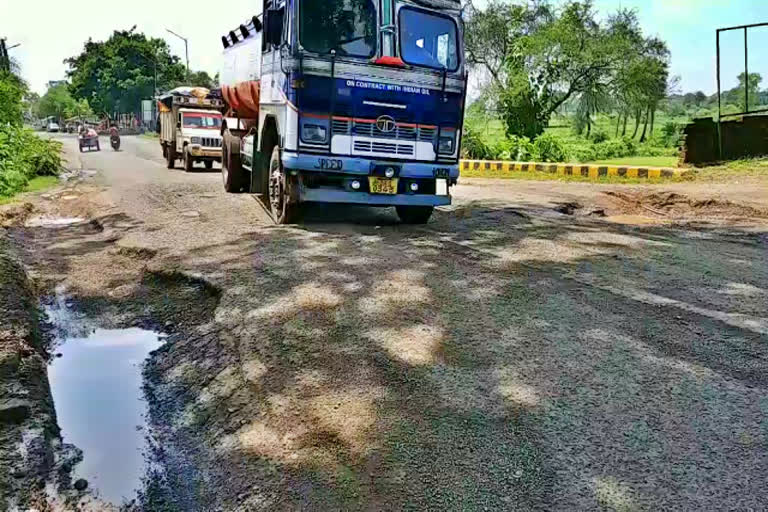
232, 173
282, 203
209, 164
170, 156
189, 162
414, 214
165, 151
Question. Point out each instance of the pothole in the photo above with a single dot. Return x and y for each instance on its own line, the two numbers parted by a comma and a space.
96, 383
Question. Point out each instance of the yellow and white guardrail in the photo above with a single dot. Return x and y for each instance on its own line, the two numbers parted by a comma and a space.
587, 171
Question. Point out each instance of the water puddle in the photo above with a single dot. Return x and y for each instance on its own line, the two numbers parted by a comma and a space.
96, 384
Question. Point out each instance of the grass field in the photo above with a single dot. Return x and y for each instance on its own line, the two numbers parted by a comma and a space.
655, 151
36, 184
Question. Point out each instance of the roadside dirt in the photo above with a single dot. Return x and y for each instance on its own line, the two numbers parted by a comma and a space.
507, 356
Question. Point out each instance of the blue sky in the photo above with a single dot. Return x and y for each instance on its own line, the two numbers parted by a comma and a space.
688, 26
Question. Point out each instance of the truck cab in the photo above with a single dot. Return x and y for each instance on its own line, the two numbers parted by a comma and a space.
197, 137
346, 101
190, 128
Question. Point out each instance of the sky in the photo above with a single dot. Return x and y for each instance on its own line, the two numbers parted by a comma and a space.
51, 30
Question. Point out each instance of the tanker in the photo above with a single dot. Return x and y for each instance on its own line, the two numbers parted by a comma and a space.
345, 101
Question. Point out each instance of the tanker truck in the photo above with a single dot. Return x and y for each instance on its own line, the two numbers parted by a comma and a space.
345, 101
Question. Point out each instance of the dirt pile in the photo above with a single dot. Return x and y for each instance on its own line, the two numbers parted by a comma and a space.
674, 205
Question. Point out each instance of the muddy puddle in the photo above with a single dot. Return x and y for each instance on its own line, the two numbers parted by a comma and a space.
96, 383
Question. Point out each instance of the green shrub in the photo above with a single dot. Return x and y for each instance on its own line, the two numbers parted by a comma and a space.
584, 153
599, 136
473, 144
23, 156
549, 148
512, 148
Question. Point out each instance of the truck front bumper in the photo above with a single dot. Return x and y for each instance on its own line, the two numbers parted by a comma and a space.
325, 195
200, 152
353, 166
364, 166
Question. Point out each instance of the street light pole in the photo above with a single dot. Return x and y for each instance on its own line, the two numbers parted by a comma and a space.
186, 47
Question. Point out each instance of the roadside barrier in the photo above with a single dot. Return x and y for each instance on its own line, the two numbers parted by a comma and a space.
587, 171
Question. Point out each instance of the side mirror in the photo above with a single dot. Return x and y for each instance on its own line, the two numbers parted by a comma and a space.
178, 125
274, 33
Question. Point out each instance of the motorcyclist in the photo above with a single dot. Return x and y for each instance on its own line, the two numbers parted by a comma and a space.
114, 137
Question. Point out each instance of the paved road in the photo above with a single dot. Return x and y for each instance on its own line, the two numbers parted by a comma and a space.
505, 356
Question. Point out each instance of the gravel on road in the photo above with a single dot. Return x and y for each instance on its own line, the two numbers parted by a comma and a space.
506, 356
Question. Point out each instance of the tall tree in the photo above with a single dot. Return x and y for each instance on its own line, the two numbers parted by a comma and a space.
537, 57
116, 74
12, 90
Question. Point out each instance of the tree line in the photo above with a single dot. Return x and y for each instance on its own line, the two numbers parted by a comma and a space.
113, 76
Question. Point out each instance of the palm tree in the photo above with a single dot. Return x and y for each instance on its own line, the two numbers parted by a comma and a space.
593, 100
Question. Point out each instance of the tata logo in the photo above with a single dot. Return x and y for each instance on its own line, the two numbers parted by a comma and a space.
385, 124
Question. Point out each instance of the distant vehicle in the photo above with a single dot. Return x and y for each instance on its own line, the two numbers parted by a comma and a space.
345, 101
88, 139
52, 127
190, 127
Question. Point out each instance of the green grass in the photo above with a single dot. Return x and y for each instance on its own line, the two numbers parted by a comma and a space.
492, 131
546, 176
150, 135
641, 161
36, 184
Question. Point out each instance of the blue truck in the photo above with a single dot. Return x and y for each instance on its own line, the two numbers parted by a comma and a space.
345, 101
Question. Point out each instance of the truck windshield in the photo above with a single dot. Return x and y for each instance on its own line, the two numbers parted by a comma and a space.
347, 26
428, 39
201, 121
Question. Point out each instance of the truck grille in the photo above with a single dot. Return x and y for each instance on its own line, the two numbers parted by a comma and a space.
211, 142
362, 146
368, 129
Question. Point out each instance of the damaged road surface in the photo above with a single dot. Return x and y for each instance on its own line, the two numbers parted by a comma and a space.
509, 355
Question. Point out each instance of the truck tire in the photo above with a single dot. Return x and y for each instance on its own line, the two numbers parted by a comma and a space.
209, 164
232, 173
414, 214
170, 156
282, 187
189, 162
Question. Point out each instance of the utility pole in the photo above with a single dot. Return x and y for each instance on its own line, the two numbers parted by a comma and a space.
186, 47
5, 61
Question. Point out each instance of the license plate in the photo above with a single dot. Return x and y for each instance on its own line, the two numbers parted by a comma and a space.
382, 185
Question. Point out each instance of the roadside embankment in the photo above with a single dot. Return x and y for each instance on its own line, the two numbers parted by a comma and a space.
27, 419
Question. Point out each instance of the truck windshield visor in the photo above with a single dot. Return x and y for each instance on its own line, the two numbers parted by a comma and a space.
201, 121
347, 26
428, 39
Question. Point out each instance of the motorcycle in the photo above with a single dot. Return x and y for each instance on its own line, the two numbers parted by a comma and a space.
115, 142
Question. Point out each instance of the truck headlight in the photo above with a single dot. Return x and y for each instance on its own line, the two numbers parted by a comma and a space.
314, 133
446, 145
195, 140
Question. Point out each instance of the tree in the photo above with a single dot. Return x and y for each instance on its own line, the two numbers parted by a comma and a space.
80, 109
12, 90
116, 74
594, 99
57, 102
202, 79
538, 57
